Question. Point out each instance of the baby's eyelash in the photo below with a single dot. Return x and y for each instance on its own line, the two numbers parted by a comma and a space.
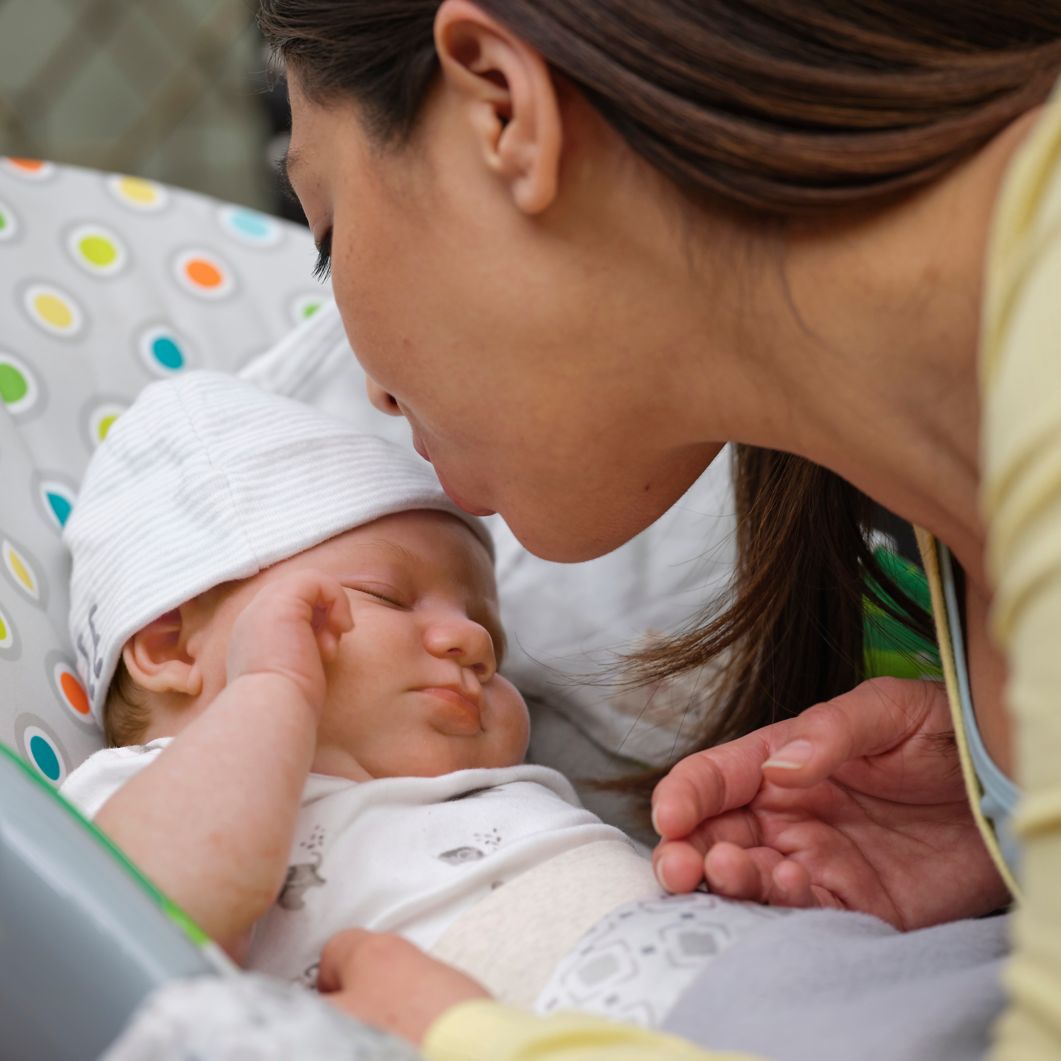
381, 596
322, 270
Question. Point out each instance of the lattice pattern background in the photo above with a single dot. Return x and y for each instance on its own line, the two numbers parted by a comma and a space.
169, 89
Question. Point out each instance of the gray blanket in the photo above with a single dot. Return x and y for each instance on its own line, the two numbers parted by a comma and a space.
831, 985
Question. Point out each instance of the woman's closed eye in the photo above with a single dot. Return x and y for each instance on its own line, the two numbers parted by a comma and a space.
322, 270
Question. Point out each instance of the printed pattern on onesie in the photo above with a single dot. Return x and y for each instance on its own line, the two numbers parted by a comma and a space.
636, 963
411, 854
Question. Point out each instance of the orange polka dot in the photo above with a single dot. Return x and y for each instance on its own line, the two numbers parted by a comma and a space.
30, 165
203, 272
74, 693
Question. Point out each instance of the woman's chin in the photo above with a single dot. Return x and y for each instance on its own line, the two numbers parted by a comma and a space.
564, 542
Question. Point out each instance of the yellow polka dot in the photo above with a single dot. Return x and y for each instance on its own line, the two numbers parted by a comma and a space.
104, 426
20, 569
54, 311
137, 190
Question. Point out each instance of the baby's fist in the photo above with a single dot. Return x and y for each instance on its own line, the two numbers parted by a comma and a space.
291, 628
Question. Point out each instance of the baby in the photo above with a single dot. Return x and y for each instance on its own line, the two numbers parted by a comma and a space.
292, 635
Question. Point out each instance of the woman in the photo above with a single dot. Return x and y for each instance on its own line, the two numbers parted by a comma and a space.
579, 245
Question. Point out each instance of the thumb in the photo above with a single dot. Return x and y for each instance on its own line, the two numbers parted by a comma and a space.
871, 719
336, 956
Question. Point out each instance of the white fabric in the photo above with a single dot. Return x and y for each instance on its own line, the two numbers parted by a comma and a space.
207, 479
402, 854
499, 941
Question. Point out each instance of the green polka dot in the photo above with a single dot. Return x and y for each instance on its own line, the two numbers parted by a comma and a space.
309, 309
98, 251
13, 385
3, 221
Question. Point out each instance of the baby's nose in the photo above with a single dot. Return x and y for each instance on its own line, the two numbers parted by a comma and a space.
465, 641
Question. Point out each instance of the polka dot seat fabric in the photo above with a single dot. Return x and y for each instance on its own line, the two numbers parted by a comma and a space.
107, 282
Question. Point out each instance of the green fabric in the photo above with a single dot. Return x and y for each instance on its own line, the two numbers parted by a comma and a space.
890, 648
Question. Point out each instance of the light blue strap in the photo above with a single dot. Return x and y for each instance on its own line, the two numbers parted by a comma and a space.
1000, 795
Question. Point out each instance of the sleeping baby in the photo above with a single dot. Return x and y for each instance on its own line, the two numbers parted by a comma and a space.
290, 636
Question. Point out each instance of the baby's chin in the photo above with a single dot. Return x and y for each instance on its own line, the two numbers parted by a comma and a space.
441, 755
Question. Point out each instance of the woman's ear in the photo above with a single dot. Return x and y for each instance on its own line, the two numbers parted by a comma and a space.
157, 657
508, 93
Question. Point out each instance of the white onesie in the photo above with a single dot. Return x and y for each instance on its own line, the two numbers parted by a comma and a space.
416, 855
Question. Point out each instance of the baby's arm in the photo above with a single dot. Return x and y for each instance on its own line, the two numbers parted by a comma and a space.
211, 821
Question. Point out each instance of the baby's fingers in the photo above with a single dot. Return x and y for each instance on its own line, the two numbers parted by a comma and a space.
332, 617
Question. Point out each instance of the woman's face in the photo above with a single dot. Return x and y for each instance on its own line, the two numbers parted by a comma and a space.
535, 355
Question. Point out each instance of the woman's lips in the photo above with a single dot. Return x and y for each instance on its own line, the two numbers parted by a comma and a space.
420, 448
459, 501
418, 445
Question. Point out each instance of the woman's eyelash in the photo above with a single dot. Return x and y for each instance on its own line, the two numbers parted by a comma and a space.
322, 270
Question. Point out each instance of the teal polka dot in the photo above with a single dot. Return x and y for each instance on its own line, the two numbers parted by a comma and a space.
60, 506
45, 758
167, 353
255, 226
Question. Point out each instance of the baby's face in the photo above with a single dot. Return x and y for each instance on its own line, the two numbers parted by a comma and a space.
414, 689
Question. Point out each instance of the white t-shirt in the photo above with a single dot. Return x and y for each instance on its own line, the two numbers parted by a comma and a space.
405, 854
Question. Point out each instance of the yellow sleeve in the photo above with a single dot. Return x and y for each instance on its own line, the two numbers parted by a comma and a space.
488, 1031
1021, 386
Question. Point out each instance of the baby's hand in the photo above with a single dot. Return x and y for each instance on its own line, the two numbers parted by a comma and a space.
390, 983
292, 628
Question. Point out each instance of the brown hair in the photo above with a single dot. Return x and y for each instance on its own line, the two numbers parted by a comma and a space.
126, 713
776, 109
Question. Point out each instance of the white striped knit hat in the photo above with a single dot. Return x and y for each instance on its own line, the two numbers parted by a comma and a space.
207, 479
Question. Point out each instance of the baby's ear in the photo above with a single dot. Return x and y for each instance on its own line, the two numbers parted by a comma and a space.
157, 657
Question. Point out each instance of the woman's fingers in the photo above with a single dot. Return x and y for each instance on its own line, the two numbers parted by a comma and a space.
871, 719
709, 783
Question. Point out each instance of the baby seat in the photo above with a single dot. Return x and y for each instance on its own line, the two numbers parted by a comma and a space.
107, 283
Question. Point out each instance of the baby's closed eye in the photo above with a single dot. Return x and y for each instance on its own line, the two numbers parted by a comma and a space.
386, 594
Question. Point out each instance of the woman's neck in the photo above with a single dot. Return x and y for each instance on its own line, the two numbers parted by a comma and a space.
871, 366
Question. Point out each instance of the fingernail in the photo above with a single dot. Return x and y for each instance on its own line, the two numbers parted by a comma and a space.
655, 822
661, 872
792, 756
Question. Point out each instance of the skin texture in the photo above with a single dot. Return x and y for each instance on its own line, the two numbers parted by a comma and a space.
367, 656
423, 603
571, 350
571, 341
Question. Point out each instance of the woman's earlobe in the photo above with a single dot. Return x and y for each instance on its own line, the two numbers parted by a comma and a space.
157, 657
507, 89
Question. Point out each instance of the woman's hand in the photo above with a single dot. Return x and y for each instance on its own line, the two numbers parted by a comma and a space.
390, 983
858, 803
292, 628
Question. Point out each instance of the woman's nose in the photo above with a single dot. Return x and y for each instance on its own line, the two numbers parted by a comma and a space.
381, 399
465, 641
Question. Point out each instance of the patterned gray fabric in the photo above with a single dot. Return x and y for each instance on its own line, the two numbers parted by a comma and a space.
248, 1018
106, 283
